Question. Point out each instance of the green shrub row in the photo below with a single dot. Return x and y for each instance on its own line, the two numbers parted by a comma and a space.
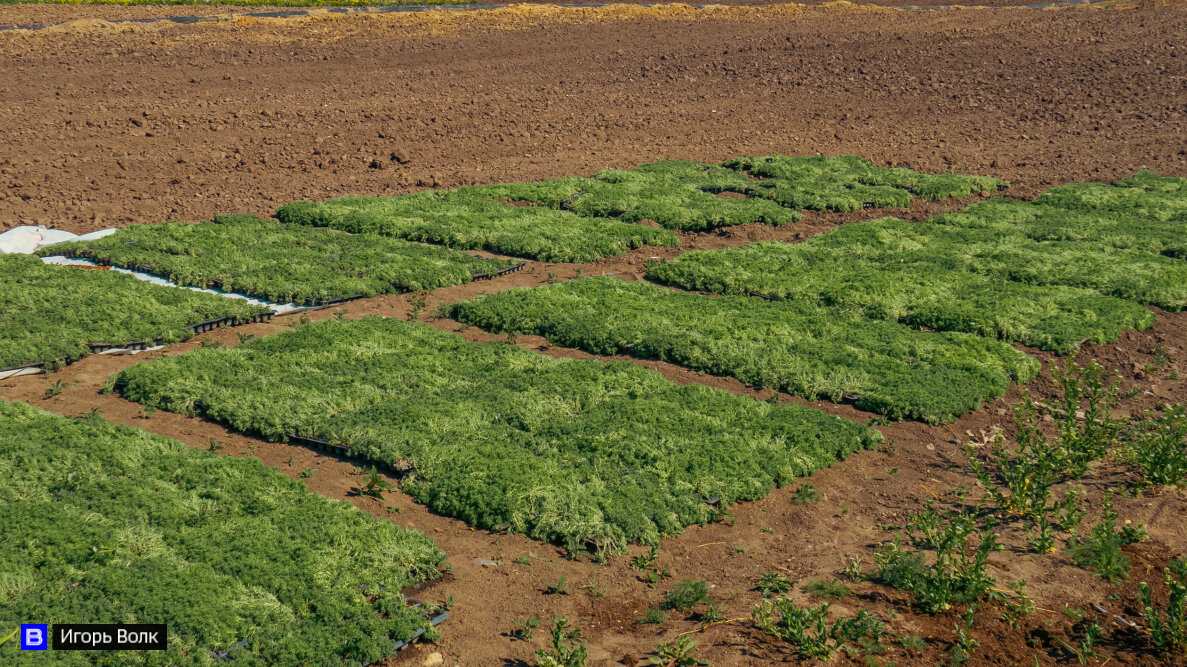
674, 194
850, 183
48, 312
581, 219
107, 524
1111, 226
282, 263
1002, 252
799, 347
589, 455
466, 219
920, 293
1073, 266
1143, 195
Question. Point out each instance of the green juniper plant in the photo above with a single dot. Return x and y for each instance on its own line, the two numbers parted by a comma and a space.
686, 595
903, 373
536, 431
59, 315
285, 263
127, 507
806, 493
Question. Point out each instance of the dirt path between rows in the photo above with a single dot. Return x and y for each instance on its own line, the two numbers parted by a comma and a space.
115, 125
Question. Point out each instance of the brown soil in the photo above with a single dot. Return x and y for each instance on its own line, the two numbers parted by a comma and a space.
189, 121
143, 124
43, 14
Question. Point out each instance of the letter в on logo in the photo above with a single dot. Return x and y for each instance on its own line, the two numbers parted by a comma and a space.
34, 637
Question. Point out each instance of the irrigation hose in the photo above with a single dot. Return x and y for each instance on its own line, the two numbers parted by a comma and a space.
708, 625
10, 635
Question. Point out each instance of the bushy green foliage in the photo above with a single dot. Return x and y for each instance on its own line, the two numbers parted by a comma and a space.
677, 653
581, 219
773, 583
686, 595
806, 494
1050, 274
1168, 626
107, 524
1148, 218
1160, 447
1143, 195
583, 453
800, 347
48, 311
1003, 252
931, 293
808, 629
671, 193
958, 575
850, 183
1100, 550
282, 263
1020, 480
467, 219
829, 590
567, 649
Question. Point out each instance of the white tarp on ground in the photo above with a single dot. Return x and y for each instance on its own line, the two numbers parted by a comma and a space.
33, 370
25, 240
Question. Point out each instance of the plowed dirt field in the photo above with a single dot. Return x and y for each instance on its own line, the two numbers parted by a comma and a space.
108, 125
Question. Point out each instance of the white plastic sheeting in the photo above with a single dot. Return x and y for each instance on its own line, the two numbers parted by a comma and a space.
27, 239
278, 308
33, 370
24, 240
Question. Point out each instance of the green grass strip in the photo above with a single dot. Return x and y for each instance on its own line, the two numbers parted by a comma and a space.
581, 219
851, 183
108, 524
931, 294
1043, 221
672, 193
1143, 195
1001, 251
283, 263
48, 312
585, 454
798, 347
466, 219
